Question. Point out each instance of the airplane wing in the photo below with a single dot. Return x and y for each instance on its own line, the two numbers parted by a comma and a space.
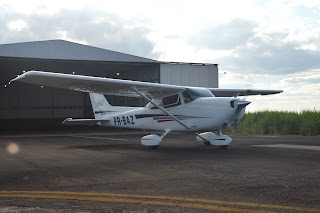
241, 92
87, 122
101, 85
119, 87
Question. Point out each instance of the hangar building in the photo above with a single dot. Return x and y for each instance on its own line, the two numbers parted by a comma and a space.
32, 106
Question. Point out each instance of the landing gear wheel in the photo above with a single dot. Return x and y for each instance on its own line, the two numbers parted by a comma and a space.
153, 147
223, 147
206, 143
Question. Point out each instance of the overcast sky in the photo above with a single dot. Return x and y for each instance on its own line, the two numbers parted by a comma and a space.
257, 44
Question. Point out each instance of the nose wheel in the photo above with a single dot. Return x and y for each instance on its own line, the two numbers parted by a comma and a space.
153, 147
221, 147
209, 138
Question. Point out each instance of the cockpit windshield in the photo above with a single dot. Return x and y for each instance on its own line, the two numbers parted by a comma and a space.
191, 94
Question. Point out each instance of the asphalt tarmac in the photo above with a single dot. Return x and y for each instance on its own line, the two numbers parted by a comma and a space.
112, 172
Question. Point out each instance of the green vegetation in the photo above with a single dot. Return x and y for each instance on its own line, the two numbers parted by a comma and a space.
280, 123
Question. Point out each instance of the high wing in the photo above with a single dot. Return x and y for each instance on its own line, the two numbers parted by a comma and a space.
241, 92
99, 84
119, 87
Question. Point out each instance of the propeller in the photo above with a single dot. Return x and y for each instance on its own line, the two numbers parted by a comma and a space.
240, 105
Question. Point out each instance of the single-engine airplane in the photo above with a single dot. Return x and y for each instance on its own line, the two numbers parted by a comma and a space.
170, 107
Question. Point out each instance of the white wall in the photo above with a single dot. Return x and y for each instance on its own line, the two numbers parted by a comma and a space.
189, 75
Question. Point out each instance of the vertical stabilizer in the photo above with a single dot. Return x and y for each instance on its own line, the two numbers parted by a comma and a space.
100, 105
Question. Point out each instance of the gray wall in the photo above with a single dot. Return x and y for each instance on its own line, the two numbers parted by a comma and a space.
27, 101
189, 75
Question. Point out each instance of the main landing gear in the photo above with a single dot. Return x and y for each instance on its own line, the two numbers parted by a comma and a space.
223, 146
153, 141
206, 143
209, 138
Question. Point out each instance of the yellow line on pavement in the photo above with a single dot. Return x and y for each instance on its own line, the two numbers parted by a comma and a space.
170, 198
162, 203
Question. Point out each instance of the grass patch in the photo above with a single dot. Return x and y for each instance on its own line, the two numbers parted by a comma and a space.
280, 123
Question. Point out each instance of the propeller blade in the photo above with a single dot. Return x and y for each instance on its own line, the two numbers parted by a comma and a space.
243, 103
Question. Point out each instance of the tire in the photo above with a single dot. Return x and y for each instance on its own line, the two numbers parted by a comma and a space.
223, 147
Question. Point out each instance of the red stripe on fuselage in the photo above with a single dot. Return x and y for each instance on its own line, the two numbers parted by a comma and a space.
160, 121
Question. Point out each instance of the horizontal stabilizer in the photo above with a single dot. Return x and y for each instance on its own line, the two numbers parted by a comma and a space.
86, 122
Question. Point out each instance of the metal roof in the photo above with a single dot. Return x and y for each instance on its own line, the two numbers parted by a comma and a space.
65, 50
189, 63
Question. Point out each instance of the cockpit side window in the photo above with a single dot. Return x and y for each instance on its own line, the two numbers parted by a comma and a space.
171, 101
187, 97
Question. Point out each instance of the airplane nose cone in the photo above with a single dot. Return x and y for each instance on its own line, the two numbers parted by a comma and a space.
243, 103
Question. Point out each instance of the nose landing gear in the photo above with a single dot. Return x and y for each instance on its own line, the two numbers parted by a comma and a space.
209, 138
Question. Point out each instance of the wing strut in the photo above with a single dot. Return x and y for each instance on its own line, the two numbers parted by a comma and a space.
161, 108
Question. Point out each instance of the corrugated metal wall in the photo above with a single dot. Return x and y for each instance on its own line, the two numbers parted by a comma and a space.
20, 101
189, 75
27, 101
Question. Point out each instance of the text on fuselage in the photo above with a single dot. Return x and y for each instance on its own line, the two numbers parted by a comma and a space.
123, 120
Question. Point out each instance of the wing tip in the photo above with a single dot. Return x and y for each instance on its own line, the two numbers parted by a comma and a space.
24, 75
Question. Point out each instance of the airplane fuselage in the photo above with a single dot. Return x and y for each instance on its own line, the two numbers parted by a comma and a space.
196, 115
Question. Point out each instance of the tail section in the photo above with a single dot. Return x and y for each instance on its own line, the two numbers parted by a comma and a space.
100, 105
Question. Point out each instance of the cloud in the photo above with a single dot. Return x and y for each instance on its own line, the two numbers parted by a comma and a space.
93, 27
264, 46
293, 98
272, 53
301, 91
224, 36
18, 25
315, 79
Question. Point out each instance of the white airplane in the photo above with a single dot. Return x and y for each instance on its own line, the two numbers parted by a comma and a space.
170, 107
